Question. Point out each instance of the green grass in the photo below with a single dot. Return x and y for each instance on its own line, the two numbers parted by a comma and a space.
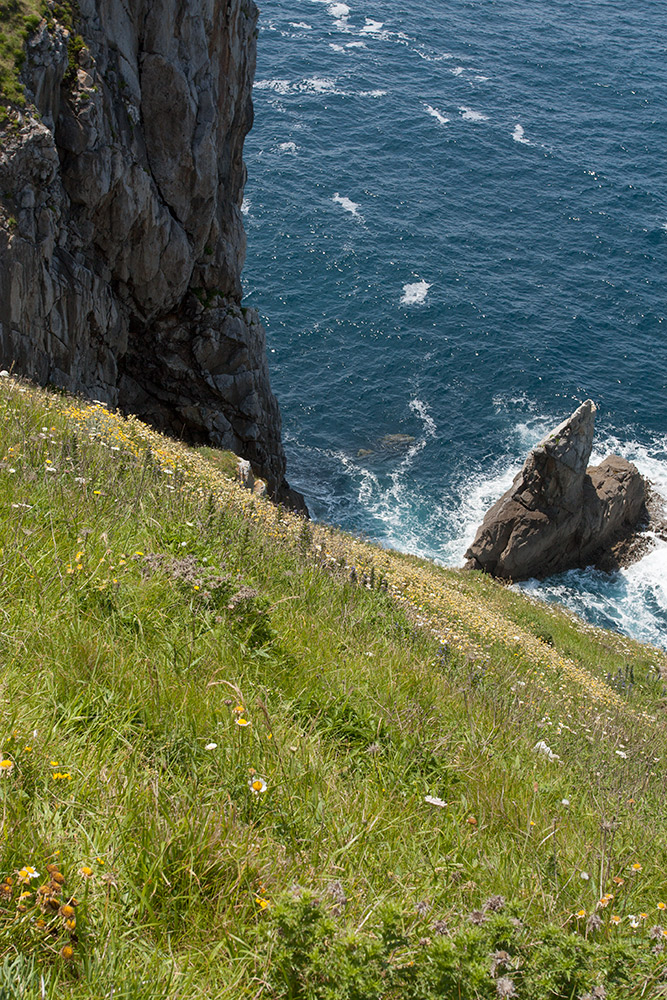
17, 19
148, 603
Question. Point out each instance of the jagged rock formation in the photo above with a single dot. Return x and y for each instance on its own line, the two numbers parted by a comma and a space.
121, 238
558, 514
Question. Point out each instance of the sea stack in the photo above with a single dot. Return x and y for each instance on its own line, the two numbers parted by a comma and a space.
559, 513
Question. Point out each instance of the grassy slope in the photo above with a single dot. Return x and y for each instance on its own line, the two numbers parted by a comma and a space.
365, 690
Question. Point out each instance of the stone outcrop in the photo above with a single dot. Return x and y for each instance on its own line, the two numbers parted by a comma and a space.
559, 514
121, 236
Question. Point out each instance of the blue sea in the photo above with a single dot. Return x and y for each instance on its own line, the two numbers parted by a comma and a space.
457, 232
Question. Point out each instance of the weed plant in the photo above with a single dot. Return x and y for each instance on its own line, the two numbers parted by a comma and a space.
247, 756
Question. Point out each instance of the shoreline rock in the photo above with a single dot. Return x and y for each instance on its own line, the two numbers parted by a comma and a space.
560, 514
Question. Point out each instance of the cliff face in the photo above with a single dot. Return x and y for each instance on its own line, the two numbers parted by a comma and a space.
121, 240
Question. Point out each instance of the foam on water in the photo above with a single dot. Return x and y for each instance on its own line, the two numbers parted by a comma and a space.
414, 293
301, 24
438, 115
245, 207
518, 135
468, 115
372, 93
339, 10
287, 147
346, 203
371, 27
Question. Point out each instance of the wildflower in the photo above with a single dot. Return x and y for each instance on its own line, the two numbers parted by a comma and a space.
239, 710
477, 917
67, 952
618, 880
580, 914
27, 873
262, 903
505, 987
85, 871
66, 911
565, 802
662, 906
242, 722
643, 916
6, 766
594, 923
584, 875
636, 867
434, 801
615, 919
211, 746
545, 750
634, 921
257, 786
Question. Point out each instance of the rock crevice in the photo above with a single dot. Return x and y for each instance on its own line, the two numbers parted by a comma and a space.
121, 235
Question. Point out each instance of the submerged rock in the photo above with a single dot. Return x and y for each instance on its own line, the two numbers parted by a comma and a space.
558, 514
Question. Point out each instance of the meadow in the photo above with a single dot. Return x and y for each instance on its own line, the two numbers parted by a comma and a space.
249, 756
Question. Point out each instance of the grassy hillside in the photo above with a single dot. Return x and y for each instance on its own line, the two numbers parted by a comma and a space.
245, 756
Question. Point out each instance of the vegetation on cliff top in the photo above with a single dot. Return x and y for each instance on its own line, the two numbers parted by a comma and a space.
18, 19
248, 756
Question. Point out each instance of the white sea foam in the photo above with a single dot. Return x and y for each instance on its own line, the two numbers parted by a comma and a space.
469, 115
664, 225
301, 24
336, 48
371, 27
356, 45
288, 147
414, 293
346, 203
279, 86
457, 70
245, 207
338, 10
372, 93
518, 135
438, 115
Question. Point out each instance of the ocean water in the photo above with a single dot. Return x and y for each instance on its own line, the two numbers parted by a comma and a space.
457, 231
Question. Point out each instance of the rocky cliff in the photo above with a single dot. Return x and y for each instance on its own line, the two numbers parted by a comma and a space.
121, 238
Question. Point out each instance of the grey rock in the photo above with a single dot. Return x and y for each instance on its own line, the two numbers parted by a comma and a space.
121, 236
559, 514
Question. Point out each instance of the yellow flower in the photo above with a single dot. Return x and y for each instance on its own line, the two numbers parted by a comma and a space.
53, 763
67, 952
618, 880
636, 867
662, 906
240, 710
615, 919
257, 786
85, 870
6, 766
242, 722
262, 903
580, 914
